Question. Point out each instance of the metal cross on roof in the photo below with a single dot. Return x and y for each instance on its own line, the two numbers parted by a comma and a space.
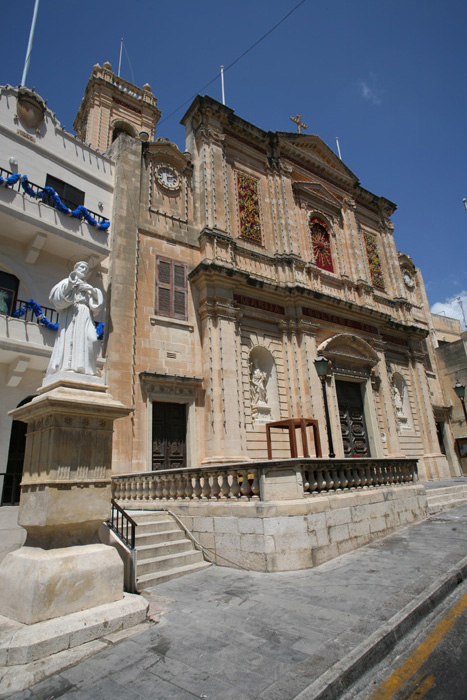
299, 123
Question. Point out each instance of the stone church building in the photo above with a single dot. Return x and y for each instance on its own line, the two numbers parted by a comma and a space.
234, 265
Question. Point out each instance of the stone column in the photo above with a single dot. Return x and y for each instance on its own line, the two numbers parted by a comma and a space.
224, 390
65, 497
387, 408
121, 310
433, 462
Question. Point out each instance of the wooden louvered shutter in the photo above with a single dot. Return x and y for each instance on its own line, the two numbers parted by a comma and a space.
171, 289
164, 288
179, 291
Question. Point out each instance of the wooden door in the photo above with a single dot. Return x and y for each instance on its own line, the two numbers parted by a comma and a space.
353, 427
168, 435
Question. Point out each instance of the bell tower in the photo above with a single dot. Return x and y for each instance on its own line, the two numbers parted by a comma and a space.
112, 105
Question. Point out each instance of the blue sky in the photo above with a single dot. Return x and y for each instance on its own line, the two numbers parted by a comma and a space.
388, 77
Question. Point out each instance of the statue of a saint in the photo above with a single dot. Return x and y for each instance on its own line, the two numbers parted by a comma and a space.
398, 401
259, 394
76, 346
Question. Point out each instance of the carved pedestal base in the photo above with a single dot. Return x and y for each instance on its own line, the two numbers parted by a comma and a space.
65, 497
261, 413
39, 584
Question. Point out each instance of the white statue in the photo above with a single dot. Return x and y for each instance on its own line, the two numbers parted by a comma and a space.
76, 346
258, 382
398, 401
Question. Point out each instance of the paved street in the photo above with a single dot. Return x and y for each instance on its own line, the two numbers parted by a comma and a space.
228, 634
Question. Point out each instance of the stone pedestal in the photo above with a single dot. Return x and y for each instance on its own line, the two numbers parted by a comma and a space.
261, 413
65, 497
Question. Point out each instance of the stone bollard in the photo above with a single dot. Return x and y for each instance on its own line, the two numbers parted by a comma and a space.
65, 496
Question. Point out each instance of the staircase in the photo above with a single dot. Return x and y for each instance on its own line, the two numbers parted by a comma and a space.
163, 550
446, 497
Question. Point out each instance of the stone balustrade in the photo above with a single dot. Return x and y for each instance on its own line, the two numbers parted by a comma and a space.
347, 474
273, 480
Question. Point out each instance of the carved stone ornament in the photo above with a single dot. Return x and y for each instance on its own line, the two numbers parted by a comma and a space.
30, 108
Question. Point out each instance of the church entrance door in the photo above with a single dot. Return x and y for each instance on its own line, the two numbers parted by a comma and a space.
168, 435
353, 427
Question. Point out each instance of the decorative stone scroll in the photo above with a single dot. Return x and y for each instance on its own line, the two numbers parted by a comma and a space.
249, 207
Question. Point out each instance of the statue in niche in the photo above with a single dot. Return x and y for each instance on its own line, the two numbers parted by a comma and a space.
76, 346
398, 394
258, 384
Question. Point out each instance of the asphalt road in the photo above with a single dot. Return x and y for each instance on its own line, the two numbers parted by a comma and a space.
428, 665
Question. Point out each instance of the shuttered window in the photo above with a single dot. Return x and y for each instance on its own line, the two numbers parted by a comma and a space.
171, 289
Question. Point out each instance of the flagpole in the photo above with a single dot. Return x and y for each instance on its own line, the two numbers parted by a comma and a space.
338, 148
222, 83
120, 59
29, 49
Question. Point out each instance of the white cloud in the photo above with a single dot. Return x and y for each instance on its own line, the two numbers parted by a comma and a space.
451, 307
369, 93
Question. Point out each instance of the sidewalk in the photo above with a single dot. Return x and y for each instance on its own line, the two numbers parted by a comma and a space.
226, 634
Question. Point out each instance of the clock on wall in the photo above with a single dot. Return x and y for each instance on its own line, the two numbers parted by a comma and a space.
168, 177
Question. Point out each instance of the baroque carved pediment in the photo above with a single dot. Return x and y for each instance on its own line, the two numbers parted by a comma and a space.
345, 349
314, 193
166, 150
312, 147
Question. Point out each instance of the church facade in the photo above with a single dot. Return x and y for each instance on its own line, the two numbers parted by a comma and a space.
227, 270
234, 266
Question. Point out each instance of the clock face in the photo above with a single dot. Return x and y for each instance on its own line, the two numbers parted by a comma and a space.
168, 177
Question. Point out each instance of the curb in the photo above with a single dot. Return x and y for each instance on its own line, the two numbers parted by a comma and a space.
343, 674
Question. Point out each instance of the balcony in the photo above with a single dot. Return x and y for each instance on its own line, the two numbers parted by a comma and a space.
27, 336
22, 212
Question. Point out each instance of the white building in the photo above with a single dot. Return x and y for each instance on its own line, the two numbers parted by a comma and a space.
39, 244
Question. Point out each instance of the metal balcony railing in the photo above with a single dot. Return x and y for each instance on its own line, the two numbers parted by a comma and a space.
29, 315
37, 190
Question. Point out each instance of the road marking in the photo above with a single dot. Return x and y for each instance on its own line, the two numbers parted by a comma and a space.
409, 668
423, 688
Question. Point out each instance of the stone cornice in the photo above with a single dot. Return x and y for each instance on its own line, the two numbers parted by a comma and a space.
294, 293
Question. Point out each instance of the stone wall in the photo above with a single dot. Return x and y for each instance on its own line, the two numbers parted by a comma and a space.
300, 534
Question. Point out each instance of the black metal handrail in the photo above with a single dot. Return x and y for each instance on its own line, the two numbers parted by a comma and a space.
37, 188
50, 314
11, 489
122, 524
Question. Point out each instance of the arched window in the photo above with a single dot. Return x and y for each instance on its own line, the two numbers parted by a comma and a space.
122, 127
321, 244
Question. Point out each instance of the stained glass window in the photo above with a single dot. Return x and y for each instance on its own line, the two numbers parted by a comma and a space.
374, 261
249, 208
321, 244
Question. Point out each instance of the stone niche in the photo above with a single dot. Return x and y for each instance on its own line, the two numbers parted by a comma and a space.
263, 386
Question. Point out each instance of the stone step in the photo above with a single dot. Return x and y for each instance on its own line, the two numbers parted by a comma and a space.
157, 537
446, 490
170, 561
153, 526
148, 515
439, 507
152, 579
446, 498
162, 549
